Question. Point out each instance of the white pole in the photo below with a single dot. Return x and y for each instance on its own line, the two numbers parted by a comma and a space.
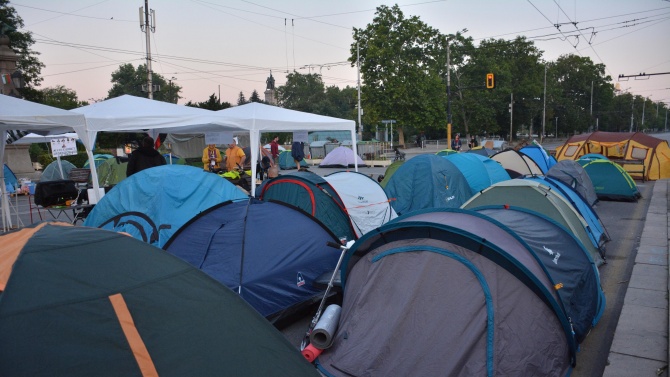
358, 66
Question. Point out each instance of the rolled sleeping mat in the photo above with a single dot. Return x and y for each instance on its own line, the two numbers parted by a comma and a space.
311, 353
322, 335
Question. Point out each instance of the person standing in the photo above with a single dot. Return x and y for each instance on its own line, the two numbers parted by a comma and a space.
211, 158
274, 149
456, 143
144, 157
298, 153
234, 156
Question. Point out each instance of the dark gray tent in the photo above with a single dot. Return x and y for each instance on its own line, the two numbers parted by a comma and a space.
573, 174
447, 292
569, 265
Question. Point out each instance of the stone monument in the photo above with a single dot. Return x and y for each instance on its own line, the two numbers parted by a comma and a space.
270, 91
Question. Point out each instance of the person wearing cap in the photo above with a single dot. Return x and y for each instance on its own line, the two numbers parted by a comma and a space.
211, 158
144, 157
234, 156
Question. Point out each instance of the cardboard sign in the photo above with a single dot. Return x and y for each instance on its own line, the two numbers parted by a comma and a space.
65, 146
218, 138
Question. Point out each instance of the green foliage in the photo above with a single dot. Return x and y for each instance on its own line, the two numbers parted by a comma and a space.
255, 97
402, 61
36, 150
61, 97
128, 80
213, 103
308, 93
241, 100
21, 42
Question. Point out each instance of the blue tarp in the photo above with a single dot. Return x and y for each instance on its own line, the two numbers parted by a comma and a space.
427, 181
152, 204
267, 252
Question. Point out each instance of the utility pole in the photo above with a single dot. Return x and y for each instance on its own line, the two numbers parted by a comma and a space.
448, 96
544, 106
511, 110
666, 120
147, 27
591, 112
644, 102
631, 115
556, 135
360, 111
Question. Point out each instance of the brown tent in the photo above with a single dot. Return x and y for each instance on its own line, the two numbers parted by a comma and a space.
641, 155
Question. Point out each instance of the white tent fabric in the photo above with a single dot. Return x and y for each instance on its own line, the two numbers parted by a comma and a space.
366, 202
36, 138
135, 114
341, 157
258, 117
18, 114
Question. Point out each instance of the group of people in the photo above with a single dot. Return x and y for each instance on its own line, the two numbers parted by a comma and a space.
235, 158
456, 143
146, 156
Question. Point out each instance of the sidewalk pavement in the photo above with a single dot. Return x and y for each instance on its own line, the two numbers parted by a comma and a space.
640, 345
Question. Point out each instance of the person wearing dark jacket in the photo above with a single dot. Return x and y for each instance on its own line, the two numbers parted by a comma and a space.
144, 157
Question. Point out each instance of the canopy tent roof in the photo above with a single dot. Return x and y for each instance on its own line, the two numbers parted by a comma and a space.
19, 114
135, 114
37, 138
259, 117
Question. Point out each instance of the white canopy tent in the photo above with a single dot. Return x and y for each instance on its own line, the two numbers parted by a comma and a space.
135, 114
18, 114
258, 117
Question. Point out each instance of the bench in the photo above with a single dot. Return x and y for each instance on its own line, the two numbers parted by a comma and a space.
633, 168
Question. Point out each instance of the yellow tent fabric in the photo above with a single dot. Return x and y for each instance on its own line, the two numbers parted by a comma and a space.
642, 156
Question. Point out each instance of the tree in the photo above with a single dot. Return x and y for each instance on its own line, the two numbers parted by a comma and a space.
128, 80
213, 103
61, 97
301, 92
241, 100
255, 97
402, 62
28, 63
574, 76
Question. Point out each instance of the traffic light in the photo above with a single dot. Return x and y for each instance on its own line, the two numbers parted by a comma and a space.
490, 81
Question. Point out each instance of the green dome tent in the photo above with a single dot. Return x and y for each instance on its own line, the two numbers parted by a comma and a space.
80, 301
610, 180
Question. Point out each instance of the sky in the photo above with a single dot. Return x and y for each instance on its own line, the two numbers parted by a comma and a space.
224, 47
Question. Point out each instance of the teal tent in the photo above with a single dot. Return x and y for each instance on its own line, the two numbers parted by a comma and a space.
286, 161
610, 180
427, 181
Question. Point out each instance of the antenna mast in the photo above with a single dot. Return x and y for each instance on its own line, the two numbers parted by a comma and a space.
148, 24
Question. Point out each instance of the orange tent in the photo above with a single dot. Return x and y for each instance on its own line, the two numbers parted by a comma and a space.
642, 156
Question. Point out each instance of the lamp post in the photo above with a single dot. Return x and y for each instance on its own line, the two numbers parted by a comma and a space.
449, 38
172, 99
